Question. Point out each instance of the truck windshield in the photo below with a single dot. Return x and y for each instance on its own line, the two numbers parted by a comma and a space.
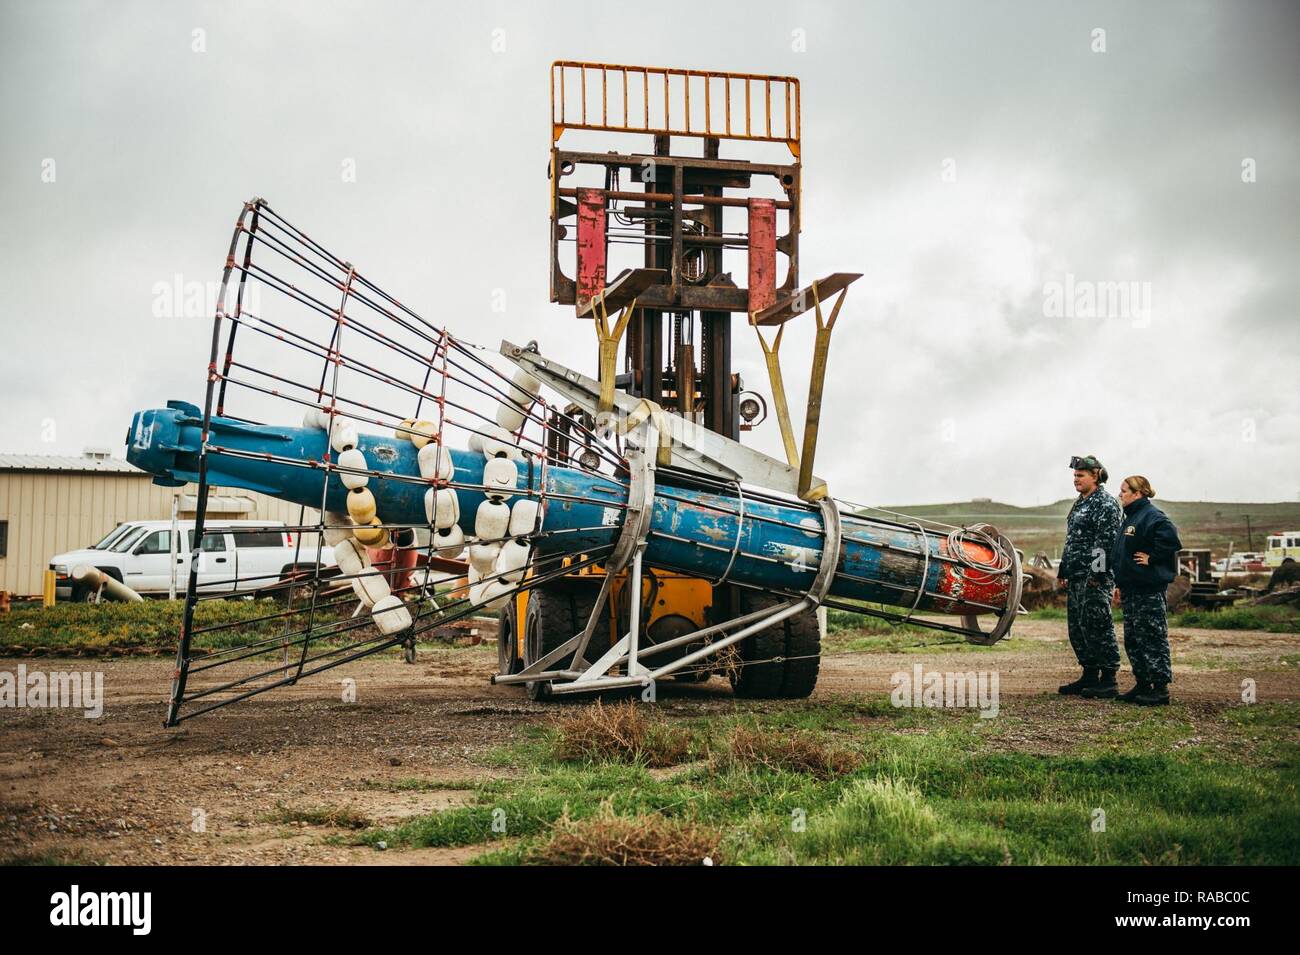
127, 540
107, 540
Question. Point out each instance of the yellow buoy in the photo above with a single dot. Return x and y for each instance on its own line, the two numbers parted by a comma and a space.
424, 432
361, 505
373, 534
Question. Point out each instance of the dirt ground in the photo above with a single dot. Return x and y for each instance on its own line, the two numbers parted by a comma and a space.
123, 789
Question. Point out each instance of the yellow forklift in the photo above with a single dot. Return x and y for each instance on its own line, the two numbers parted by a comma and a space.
673, 218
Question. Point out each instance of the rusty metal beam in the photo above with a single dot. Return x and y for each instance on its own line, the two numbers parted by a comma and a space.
625, 289
791, 305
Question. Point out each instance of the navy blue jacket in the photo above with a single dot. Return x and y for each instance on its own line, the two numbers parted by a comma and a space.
1147, 529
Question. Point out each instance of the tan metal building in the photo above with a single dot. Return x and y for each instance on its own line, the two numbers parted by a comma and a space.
50, 504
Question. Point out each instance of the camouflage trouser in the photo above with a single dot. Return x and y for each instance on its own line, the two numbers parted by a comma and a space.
1092, 628
1146, 637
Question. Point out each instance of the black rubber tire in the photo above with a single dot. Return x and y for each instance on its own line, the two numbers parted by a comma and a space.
82, 594
556, 613
798, 637
508, 659
298, 593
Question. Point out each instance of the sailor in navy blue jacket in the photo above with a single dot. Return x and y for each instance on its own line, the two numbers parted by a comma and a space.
1146, 549
1145, 561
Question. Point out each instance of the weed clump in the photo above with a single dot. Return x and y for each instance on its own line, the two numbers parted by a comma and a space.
621, 732
796, 752
607, 839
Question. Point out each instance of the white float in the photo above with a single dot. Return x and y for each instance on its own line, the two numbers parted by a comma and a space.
523, 517
340, 532
371, 587
510, 417
352, 458
390, 615
435, 463
343, 435
492, 521
351, 557
500, 478
483, 557
441, 507
513, 560
499, 443
449, 541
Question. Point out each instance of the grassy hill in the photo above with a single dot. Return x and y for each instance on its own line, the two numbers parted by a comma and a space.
1200, 523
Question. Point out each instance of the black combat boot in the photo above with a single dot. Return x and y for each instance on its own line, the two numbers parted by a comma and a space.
1104, 689
1089, 678
1156, 694
1142, 686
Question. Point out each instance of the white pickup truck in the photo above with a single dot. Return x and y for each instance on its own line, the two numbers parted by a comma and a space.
231, 560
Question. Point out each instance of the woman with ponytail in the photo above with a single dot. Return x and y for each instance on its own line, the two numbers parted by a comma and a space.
1145, 561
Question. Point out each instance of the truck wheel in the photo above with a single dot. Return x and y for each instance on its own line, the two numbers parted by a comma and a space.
555, 614
797, 640
83, 595
300, 591
508, 661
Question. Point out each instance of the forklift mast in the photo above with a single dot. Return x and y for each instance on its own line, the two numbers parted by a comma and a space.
679, 337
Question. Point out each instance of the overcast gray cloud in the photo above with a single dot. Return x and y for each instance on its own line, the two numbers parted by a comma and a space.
963, 156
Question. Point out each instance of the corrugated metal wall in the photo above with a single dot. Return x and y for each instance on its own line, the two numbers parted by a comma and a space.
50, 512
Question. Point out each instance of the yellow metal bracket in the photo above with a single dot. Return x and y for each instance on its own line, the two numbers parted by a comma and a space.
778, 314
609, 339
816, 386
772, 357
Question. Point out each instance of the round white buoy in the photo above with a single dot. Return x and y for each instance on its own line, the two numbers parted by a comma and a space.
352, 458
523, 517
435, 463
371, 587
525, 387
390, 615
495, 594
483, 557
341, 531
351, 557
500, 477
423, 432
343, 435
491, 521
449, 541
513, 560
500, 443
510, 417
441, 506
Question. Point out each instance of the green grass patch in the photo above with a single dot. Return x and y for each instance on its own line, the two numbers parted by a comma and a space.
151, 626
906, 786
1274, 619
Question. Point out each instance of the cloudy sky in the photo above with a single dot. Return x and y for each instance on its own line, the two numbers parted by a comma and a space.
967, 157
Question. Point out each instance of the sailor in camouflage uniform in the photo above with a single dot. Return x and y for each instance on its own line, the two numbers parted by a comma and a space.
1145, 561
1085, 570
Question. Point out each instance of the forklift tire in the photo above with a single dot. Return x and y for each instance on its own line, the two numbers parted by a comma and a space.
797, 640
556, 613
508, 661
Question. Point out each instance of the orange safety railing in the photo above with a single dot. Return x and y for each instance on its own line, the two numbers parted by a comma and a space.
651, 99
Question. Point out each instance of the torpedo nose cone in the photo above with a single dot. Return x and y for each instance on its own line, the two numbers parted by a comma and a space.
154, 444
